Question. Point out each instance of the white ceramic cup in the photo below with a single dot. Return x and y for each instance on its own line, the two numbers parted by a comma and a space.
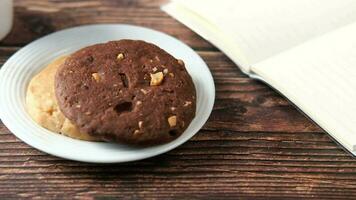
6, 15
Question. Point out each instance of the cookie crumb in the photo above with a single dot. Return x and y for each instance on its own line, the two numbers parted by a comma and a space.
171, 74
138, 102
172, 120
78, 106
173, 108
120, 56
140, 124
165, 71
154, 69
156, 78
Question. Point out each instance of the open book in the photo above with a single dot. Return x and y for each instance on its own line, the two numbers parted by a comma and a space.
306, 49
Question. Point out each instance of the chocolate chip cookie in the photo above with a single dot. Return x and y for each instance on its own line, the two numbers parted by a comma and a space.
126, 91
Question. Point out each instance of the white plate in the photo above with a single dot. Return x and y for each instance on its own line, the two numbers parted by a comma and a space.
16, 73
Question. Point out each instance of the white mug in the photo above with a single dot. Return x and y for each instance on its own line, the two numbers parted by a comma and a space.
6, 15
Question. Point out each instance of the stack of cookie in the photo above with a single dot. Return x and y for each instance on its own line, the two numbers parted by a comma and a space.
125, 91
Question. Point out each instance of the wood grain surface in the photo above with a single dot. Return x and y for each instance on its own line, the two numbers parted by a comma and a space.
254, 146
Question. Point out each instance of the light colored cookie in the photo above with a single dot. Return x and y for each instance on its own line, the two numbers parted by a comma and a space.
42, 104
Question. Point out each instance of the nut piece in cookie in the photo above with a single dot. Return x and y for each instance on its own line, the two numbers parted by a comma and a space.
172, 120
96, 76
120, 56
181, 62
156, 78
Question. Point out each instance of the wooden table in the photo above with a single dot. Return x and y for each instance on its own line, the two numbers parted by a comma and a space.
254, 146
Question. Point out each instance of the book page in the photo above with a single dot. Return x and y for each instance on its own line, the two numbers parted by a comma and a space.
319, 77
259, 28
209, 31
